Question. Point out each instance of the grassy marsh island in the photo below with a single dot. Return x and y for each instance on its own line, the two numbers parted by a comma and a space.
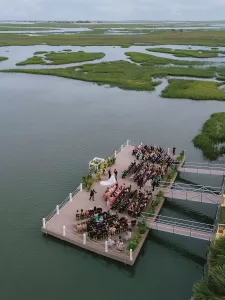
3, 58
212, 137
149, 59
62, 58
188, 53
35, 60
210, 38
194, 89
122, 74
131, 76
40, 52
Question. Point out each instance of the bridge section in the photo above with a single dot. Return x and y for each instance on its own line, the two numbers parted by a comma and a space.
203, 168
181, 227
194, 192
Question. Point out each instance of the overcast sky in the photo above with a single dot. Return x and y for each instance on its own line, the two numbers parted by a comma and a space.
113, 10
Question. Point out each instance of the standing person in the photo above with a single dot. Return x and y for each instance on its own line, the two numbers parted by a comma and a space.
115, 173
153, 185
92, 194
109, 172
174, 150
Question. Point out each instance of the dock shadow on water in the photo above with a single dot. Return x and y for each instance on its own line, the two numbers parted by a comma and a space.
188, 248
189, 211
105, 262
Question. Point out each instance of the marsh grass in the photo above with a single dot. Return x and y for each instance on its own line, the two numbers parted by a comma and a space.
72, 57
35, 60
196, 37
120, 73
129, 76
62, 58
40, 52
193, 89
3, 58
188, 53
148, 59
211, 136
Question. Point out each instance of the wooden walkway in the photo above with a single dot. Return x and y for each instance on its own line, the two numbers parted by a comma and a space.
181, 230
195, 196
209, 171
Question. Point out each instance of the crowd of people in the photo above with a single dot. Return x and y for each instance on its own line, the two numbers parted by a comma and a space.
124, 199
101, 224
153, 154
151, 166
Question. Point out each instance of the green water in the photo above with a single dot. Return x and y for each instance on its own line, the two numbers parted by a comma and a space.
49, 129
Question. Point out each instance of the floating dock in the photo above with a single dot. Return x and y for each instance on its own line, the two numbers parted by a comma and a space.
61, 222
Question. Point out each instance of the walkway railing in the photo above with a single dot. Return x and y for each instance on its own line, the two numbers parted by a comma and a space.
178, 222
58, 207
201, 193
194, 188
204, 166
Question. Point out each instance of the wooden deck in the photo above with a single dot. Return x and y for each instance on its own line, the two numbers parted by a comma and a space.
193, 196
210, 171
62, 225
181, 230
66, 216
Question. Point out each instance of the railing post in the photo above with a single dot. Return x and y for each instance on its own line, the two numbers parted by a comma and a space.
201, 197
64, 230
121, 147
106, 246
43, 223
57, 209
131, 254
81, 187
84, 238
71, 197
115, 154
127, 142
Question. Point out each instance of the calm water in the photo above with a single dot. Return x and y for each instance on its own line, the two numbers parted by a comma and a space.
49, 129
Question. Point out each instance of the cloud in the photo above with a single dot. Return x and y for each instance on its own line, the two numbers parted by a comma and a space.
114, 10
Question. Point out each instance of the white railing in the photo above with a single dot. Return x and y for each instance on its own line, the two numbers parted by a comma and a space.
82, 239
181, 230
204, 164
178, 222
58, 207
184, 190
212, 168
194, 187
